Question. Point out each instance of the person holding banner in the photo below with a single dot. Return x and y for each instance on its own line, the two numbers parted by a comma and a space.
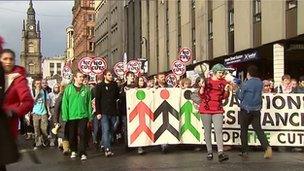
250, 96
212, 92
122, 103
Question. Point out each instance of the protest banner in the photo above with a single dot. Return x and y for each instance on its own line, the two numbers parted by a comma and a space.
168, 116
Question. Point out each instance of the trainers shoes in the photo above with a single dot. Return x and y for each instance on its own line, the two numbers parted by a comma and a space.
209, 156
108, 153
83, 157
140, 150
268, 153
73, 155
223, 157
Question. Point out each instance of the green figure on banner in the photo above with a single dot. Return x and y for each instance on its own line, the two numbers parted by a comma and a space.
187, 110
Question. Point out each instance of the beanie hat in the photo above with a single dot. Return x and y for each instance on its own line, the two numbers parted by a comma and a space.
218, 67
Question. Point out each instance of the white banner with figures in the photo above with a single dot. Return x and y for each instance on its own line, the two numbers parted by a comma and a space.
168, 116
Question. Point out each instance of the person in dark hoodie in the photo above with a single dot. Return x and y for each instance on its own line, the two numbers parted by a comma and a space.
130, 83
15, 102
107, 93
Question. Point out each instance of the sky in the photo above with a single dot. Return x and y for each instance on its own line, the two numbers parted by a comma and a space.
54, 17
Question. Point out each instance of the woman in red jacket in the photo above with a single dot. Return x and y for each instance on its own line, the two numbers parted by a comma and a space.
213, 91
18, 100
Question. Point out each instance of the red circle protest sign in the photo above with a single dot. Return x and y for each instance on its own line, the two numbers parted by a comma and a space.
98, 65
67, 72
185, 54
178, 67
171, 80
119, 69
134, 66
84, 65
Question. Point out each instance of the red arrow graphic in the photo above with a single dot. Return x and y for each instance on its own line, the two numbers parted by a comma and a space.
141, 110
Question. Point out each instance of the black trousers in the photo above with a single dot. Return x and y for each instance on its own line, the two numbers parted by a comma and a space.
2, 168
253, 118
78, 128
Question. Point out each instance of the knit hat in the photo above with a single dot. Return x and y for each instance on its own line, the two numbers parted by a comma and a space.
218, 67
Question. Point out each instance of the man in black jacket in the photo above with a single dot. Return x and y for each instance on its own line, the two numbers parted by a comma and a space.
106, 96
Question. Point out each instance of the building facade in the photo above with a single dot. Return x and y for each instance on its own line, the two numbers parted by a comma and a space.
217, 30
31, 43
52, 66
109, 30
83, 25
69, 43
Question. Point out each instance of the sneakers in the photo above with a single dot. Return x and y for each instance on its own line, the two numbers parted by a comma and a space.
244, 155
222, 157
164, 148
140, 150
268, 153
83, 157
209, 156
108, 153
73, 155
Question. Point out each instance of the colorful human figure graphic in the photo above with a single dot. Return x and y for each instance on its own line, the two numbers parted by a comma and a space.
187, 111
141, 109
165, 108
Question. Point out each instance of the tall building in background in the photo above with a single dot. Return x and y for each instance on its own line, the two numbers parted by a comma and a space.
109, 30
69, 43
236, 33
52, 66
31, 44
83, 24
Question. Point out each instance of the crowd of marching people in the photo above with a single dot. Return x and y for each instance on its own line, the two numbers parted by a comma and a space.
72, 115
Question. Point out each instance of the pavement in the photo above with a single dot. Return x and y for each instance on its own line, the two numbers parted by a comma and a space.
178, 158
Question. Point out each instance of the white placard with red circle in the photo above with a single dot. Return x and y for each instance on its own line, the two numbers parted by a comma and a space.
171, 80
185, 55
67, 72
98, 65
178, 67
119, 69
84, 65
134, 66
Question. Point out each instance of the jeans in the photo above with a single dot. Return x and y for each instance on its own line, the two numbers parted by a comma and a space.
109, 125
217, 120
40, 128
254, 118
96, 129
78, 128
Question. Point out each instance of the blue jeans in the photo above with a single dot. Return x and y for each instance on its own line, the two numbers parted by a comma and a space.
109, 124
96, 129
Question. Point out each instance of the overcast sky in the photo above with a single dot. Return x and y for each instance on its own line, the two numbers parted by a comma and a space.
54, 17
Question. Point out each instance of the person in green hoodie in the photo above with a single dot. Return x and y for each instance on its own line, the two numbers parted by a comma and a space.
77, 111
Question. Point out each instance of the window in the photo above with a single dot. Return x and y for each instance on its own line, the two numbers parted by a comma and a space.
231, 20
179, 24
256, 10
91, 17
31, 48
210, 29
290, 4
91, 3
91, 46
58, 66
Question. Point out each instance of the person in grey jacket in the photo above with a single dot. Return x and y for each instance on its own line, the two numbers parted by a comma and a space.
250, 96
